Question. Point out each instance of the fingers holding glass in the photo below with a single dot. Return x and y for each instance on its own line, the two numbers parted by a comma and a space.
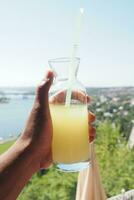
60, 97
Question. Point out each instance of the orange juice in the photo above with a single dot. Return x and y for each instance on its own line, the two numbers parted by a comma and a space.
70, 133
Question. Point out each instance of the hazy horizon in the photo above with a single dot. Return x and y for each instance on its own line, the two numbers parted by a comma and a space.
13, 87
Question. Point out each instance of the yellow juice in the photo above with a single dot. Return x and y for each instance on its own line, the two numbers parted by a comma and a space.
70, 133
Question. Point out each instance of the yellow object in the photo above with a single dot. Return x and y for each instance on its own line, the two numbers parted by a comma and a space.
70, 133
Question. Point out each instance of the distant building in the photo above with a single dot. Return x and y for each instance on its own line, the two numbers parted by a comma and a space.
131, 139
115, 99
99, 109
103, 99
107, 114
98, 104
132, 102
121, 108
125, 113
114, 110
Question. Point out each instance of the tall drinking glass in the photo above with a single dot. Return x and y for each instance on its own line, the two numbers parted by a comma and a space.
70, 147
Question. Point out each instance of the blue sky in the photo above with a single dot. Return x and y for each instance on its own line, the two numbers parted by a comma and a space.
33, 31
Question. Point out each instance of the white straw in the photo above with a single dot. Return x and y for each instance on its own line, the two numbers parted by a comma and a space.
73, 65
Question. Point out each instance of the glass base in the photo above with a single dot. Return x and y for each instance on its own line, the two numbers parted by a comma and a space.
75, 167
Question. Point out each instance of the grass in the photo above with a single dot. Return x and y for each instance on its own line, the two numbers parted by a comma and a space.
5, 146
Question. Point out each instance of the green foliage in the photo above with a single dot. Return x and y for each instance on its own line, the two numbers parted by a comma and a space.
115, 159
5, 146
54, 185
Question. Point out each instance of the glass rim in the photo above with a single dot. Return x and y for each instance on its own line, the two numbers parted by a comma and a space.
63, 59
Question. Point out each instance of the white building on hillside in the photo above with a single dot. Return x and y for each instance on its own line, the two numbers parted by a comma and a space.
131, 139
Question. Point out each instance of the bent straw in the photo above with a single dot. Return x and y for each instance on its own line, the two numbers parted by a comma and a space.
72, 66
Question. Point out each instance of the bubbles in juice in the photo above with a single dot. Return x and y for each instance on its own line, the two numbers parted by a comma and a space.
70, 133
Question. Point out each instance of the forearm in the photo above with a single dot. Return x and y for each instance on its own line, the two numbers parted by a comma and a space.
17, 165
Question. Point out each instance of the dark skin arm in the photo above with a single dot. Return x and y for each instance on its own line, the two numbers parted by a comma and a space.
32, 150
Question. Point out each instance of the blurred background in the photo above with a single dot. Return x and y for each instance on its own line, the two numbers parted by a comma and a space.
31, 32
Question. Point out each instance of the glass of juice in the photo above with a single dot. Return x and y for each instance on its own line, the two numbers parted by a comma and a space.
70, 145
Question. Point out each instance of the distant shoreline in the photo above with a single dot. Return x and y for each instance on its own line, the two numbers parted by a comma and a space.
8, 140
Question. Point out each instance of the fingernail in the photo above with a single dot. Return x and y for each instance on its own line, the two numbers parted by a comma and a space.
44, 81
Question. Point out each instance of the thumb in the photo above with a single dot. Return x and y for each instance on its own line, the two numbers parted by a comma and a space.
43, 89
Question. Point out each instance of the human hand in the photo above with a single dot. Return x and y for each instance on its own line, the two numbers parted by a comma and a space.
38, 129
